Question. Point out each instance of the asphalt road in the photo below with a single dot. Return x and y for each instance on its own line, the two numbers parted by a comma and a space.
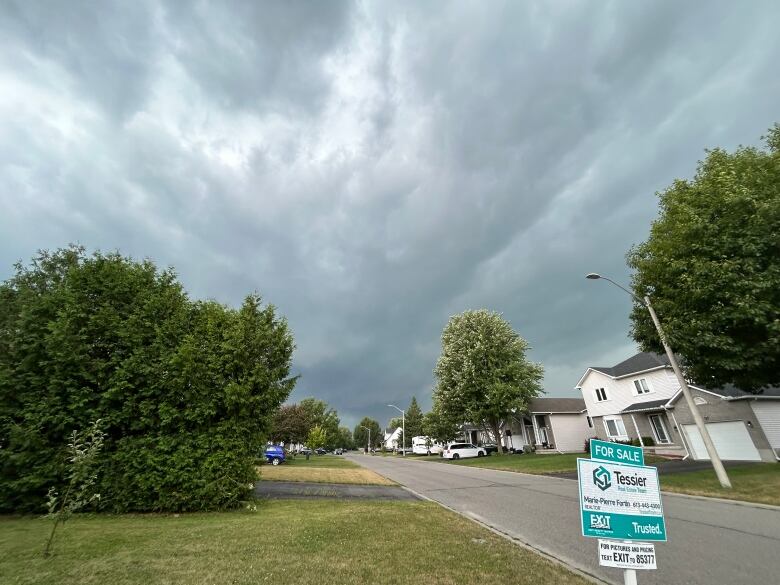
710, 542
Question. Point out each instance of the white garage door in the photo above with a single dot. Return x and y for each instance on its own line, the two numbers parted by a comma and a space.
731, 439
768, 415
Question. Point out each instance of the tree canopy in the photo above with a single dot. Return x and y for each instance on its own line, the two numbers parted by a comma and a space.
711, 267
440, 426
414, 422
291, 424
320, 414
185, 389
361, 435
482, 373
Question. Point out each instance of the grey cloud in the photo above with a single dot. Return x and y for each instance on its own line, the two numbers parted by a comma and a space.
372, 169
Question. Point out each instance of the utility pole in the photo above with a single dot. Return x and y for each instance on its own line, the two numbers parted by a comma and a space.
403, 427
717, 464
368, 448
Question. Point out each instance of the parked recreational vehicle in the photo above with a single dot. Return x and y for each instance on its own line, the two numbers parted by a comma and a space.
425, 446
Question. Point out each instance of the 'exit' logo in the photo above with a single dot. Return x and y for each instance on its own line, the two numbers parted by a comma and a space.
602, 478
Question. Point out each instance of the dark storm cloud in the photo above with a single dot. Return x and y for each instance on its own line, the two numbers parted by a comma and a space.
374, 168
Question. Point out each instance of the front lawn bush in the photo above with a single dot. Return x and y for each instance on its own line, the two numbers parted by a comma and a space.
184, 389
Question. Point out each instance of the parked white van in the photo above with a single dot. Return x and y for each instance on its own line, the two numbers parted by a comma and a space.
426, 446
462, 451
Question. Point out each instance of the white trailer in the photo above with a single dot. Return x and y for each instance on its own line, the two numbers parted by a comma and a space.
426, 446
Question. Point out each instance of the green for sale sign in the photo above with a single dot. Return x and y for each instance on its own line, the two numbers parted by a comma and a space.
621, 502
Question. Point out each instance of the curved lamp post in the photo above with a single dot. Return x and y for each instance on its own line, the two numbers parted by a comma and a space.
720, 471
403, 427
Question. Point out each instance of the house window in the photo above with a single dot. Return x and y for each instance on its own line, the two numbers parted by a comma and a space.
590, 422
659, 428
615, 428
601, 395
699, 401
641, 386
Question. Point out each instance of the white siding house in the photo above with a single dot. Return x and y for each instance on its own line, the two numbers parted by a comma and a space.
639, 399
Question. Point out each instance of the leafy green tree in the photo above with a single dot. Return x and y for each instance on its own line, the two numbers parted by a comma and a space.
320, 414
711, 267
290, 424
83, 449
482, 372
185, 390
414, 422
440, 426
345, 438
361, 435
317, 437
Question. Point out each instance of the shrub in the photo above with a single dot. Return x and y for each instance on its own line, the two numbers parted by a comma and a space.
184, 389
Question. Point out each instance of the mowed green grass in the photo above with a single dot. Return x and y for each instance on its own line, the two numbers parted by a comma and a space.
283, 542
751, 483
532, 463
529, 463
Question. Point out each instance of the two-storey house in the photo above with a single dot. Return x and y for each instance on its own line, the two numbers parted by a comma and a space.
640, 399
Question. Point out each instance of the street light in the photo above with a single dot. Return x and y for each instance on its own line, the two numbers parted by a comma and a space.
403, 427
369, 437
720, 471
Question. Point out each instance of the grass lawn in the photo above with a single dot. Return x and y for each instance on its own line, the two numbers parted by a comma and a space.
532, 463
321, 469
751, 483
283, 542
322, 475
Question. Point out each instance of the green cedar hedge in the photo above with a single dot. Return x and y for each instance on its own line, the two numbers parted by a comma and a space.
185, 389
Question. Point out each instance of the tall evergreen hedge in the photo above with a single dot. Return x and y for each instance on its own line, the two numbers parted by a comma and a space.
185, 389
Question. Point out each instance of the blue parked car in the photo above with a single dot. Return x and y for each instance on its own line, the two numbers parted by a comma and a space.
274, 454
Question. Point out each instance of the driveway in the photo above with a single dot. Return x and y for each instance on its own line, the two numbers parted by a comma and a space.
709, 542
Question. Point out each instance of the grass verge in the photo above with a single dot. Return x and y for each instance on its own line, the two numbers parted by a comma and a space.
533, 463
752, 483
322, 475
284, 542
330, 461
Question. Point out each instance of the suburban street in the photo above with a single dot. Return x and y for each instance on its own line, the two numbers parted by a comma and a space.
709, 541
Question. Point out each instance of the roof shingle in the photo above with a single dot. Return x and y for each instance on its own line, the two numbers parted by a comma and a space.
640, 362
557, 405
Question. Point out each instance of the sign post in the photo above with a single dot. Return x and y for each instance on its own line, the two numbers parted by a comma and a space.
620, 499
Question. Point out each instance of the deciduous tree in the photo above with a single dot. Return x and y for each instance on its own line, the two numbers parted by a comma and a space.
361, 435
439, 426
290, 424
712, 269
482, 373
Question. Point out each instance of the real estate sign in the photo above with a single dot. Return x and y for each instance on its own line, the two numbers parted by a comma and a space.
626, 555
616, 453
620, 501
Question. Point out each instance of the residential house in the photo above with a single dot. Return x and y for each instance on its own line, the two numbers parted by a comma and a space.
640, 398
552, 424
392, 438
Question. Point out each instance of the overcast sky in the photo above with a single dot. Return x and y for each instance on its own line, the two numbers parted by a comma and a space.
374, 168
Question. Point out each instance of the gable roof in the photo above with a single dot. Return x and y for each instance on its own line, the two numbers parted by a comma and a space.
557, 405
640, 362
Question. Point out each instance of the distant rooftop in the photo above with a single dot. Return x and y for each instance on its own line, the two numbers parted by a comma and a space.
557, 405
